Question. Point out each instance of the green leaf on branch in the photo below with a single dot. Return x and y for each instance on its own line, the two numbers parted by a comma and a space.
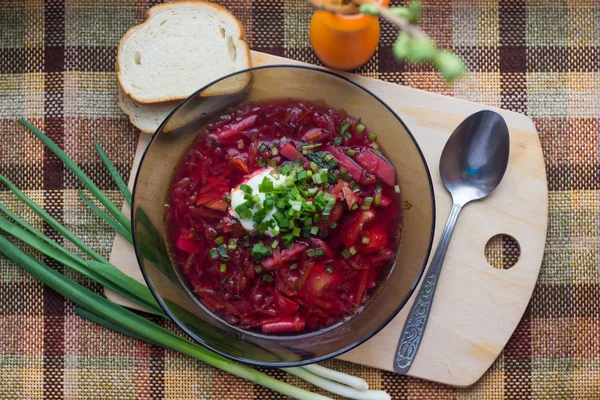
414, 12
449, 65
422, 50
369, 9
402, 46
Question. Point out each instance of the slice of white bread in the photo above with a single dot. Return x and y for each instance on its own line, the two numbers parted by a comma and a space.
145, 117
180, 48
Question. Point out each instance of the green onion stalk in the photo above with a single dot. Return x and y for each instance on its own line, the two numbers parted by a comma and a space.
112, 316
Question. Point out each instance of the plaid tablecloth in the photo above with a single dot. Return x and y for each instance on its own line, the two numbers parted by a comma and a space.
57, 58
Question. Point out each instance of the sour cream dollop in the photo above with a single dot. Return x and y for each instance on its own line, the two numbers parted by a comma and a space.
237, 198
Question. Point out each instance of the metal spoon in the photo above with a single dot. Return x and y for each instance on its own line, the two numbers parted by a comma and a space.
472, 165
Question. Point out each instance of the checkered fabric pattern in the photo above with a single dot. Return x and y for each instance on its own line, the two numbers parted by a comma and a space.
57, 59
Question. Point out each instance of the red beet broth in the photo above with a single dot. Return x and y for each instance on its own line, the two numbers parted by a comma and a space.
328, 269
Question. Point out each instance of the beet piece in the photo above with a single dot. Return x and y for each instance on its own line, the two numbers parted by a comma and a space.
289, 151
345, 162
230, 133
377, 166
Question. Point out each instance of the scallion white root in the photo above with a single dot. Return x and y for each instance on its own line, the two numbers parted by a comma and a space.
337, 388
349, 380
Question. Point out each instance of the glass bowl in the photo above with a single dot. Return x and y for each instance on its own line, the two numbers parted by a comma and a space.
183, 125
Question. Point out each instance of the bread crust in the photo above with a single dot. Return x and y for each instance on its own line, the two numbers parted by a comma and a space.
129, 113
149, 12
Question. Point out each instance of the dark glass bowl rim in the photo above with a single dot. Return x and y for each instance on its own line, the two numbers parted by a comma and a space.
359, 341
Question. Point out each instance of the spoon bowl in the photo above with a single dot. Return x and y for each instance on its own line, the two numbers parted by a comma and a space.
475, 157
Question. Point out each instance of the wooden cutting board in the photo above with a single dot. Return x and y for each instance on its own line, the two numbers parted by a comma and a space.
476, 307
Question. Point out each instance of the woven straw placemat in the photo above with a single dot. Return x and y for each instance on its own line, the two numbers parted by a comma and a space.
57, 59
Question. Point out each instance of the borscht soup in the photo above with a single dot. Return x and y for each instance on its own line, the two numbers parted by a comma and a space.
284, 216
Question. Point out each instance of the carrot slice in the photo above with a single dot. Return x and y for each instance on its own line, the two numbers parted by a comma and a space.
219, 205
241, 165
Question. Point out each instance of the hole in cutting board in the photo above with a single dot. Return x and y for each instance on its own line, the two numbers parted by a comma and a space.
502, 251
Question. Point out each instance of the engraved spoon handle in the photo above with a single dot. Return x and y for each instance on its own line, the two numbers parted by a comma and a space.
414, 327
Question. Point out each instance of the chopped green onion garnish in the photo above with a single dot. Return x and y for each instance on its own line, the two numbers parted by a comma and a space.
296, 232
312, 191
268, 204
346, 254
286, 169
352, 250
328, 157
283, 139
355, 206
302, 175
223, 252
344, 127
294, 266
310, 252
396, 188
261, 163
272, 163
258, 268
213, 253
351, 152
227, 197
319, 252
314, 230
374, 145
246, 188
260, 252
223, 268
287, 239
360, 128
274, 151
377, 199
275, 244
338, 140
268, 278
219, 240
366, 240
266, 186
372, 136
262, 147
333, 225
367, 203
309, 148
344, 175
329, 269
